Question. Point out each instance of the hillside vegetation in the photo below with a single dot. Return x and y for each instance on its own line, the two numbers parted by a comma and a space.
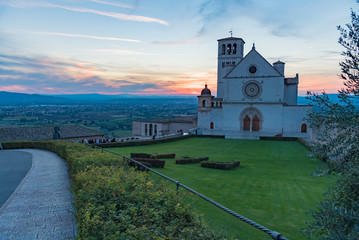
273, 186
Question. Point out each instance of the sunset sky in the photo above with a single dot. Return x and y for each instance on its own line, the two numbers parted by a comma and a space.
162, 47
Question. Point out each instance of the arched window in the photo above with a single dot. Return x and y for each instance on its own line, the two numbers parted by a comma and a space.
223, 49
303, 128
145, 129
212, 104
220, 104
255, 123
229, 49
247, 123
204, 103
235, 48
212, 125
150, 130
216, 104
155, 129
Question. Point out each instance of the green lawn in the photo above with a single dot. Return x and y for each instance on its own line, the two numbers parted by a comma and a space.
273, 186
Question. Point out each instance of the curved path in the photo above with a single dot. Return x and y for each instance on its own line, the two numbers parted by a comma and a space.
41, 206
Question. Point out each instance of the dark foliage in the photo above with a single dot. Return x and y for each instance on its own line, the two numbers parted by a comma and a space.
220, 165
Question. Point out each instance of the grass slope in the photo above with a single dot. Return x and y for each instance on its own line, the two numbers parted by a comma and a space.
274, 185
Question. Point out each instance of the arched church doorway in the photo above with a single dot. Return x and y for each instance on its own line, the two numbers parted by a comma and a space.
255, 123
303, 128
251, 119
247, 123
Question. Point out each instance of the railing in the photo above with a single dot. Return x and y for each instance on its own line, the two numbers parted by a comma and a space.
273, 234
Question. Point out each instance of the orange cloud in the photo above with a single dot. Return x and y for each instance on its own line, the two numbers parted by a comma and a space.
13, 88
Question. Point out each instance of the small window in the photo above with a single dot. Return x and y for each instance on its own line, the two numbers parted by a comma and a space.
204, 103
212, 125
252, 69
234, 48
303, 128
212, 104
229, 49
223, 49
223, 64
145, 129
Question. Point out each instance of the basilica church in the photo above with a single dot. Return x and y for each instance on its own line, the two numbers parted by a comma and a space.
254, 98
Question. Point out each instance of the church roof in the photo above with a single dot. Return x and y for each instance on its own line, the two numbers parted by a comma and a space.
46, 133
231, 38
253, 51
205, 91
280, 62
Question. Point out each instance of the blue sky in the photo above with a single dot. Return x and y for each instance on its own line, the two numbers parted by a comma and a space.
158, 47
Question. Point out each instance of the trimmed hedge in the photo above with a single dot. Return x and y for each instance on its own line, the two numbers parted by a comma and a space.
165, 156
114, 201
220, 165
187, 160
140, 143
140, 155
156, 163
290, 139
158, 156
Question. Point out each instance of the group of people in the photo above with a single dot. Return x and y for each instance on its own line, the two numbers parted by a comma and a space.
101, 140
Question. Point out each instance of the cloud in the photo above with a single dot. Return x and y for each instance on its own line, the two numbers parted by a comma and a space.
119, 51
121, 5
119, 16
187, 41
80, 36
52, 76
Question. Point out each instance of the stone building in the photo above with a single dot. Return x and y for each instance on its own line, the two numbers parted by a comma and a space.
254, 97
163, 127
65, 132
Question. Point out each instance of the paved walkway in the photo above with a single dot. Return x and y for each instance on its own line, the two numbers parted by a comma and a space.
14, 165
41, 206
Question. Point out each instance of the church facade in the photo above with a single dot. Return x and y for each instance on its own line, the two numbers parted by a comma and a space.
254, 98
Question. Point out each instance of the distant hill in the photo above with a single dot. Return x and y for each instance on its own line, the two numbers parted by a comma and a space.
332, 97
10, 98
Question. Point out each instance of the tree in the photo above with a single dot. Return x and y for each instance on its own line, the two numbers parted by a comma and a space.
338, 142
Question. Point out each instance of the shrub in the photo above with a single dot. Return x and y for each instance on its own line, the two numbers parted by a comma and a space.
186, 160
156, 163
113, 201
140, 155
220, 165
164, 156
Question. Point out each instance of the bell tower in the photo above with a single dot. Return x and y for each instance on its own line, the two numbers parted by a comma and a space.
230, 53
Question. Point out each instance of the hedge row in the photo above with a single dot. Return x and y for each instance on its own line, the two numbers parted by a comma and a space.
186, 160
220, 165
140, 143
158, 156
114, 201
156, 163
290, 139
